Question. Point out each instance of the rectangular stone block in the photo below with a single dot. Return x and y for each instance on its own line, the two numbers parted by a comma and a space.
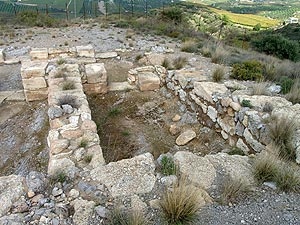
1, 56
95, 73
58, 51
148, 81
34, 83
99, 88
33, 69
106, 55
206, 90
39, 53
85, 51
38, 95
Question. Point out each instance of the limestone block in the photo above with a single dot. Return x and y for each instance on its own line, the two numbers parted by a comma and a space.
34, 83
185, 137
127, 176
57, 165
59, 146
227, 124
39, 53
257, 146
206, 90
148, 81
11, 190
83, 211
33, 69
58, 50
96, 73
121, 86
36, 95
2, 59
100, 88
72, 133
241, 145
85, 51
97, 157
106, 55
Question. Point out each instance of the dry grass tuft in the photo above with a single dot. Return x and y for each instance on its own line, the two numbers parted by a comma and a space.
179, 62
189, 46
260, 88
220, 55
265, 167
121, 217
180, 204
68, 85
218, 74
281, 132
294, 94
287, 178
233, 189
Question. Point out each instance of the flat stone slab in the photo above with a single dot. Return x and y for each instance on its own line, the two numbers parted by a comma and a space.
39, 53
85, 51
11, 190
185, 137
148, 81
12, 96
106, 55
33, 69
121, 86
206, 90
259, 101
127, 176
96, 73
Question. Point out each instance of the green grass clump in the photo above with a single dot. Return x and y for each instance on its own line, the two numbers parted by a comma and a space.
114, 112
60, 176
83, 143
218, 74
265, 168
286, 84
189, 46
246, 103
180, 204
168, 166
166, 63
236, 151
60, 61
88, 158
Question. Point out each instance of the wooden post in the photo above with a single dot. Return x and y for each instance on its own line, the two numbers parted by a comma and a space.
83, 11
119, 9
47, 12
67, 11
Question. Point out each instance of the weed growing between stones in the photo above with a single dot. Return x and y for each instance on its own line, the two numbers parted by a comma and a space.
218, 74
281, 132
88, 158
83, 143
60, 61
246, 103
236, 151
114, 112
180, 204
121, 217
179, 62
189, 46
234, 189
59, 177
168, 166
68, 85
166, 63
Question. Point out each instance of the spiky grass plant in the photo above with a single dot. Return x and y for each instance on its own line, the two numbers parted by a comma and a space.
218, 74
180, 204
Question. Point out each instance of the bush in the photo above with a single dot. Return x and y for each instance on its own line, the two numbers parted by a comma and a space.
218, 74
246, 103
286, 84
179, 62
172, 14
248, 70
168, 166
35, 19
233, 189
281, 133
287, 179
278, 46
180, 204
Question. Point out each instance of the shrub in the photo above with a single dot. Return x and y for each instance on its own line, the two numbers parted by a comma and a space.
68, 85
174, 14
189, 46
281, 133
180, 204
286, 84
179, 62
218, 74
294, 93
60, 176
88, 158
35, 19
168, 166
83, 143
246, 103
265, 167
233, 189
60, 61
68, 100
120, 217
248, 70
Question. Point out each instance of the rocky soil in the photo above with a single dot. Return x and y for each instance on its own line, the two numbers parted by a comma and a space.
141, 126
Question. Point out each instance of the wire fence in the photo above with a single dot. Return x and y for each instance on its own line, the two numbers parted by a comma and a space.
70, 9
